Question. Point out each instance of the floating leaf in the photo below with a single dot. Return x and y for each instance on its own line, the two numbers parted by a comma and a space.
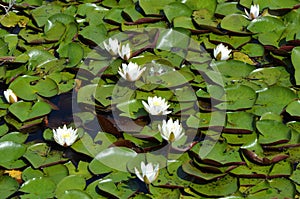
293, 108
40, 154
176, 9
26, 110
295, 61
10, 151
39, 187
153, 6
238, 97
222, 187
8, 186
111, 157
272, 132
68, 183
235, 23
273, 100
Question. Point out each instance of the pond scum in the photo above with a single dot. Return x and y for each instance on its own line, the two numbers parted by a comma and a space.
150, 99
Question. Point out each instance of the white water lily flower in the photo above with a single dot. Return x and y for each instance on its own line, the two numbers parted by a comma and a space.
171, 131
124, 51
65, 136
254, 12
10, 96
149, 173
222, 52
131, 72
156, 106
112, 47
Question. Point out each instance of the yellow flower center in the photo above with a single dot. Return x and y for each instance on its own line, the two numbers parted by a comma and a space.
156, 103
66, 135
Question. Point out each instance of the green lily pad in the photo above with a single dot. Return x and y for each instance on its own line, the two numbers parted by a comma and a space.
239, 139
234, 41
72, 51
111, 157
96, 33
281, 169
190, 169
253, 50
233, 68
275, 4
176, 9
16, 137
42, 13
235, 23
204, 18
80, 170
293, 108
27, 87
153, 6
295, 177
88, 146
11, 19
271, 189
227, 8
39, 187
68, 183
259, 25
40, 154
56, 172
272, 132
295, 61
119, 190
222, 187
238, 97
53, 32
207, 120
10, 151
8, 186
75, 194
268, 75
221, 154
38, 57
273, 100
240, 122
26, 110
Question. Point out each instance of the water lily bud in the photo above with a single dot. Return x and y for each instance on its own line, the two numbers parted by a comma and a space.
148, 174
222, 52
10, 96
171, 131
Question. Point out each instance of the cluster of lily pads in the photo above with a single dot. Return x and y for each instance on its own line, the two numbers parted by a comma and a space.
149, 99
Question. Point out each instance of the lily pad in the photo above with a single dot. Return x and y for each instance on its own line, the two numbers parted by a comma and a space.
176, 9
39, 187
293, 108
10, 151
68, 183
8, 186
238, 97
235, 23
222, 187
295, 61
26, 110
111, 157
40, 154
272, 132
273, 100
